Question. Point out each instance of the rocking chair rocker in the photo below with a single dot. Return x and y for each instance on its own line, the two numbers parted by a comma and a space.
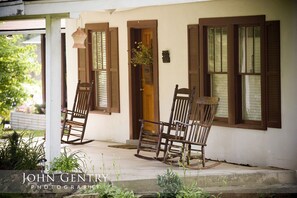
75, 120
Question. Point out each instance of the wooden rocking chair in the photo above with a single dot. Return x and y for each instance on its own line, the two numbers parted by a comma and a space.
180, 110
75, 120
196, 133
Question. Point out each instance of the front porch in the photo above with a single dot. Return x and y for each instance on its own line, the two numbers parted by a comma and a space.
139, 175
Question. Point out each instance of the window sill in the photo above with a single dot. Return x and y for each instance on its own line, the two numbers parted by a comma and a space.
241, 126
100, 112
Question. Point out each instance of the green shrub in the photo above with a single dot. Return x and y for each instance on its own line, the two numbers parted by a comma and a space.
17, 153
68, 162
170, 183
192, 192
105, 190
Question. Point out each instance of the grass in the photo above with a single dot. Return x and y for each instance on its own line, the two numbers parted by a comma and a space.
26, 133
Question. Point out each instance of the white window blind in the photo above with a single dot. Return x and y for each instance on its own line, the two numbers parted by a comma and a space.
99, 67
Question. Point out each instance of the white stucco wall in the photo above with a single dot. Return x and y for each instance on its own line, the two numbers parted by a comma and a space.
274, 147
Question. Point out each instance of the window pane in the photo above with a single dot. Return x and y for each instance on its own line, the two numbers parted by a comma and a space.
218, 55
242, 50
257, 50
251, 97
99, 50
101, 88
94, 50
224, 49
249, 50
219, 88
217, 49
210, 46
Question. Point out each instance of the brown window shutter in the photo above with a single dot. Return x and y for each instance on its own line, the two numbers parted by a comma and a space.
273, 74
114, 70
193, 58
82, 65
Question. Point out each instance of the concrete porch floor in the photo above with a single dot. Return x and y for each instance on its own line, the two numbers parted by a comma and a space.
139, 175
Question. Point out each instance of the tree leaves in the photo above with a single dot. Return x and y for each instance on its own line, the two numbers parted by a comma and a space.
17, 63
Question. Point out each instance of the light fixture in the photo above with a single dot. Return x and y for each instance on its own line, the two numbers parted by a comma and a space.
79, 37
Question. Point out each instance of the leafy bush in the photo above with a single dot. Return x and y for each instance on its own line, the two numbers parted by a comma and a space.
170, 183
17, 153
68, 162
105, 190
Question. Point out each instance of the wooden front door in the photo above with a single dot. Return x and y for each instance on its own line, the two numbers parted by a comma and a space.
147, 83
143, 79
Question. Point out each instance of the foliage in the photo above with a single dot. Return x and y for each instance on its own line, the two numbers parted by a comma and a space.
68, 162
192, 192
17, 63
105, 190
39, 108
142, 55
17, 153
170, 183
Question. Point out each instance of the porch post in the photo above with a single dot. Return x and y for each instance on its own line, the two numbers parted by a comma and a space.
53, 88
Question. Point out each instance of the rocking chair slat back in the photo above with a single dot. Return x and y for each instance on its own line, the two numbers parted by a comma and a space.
75, 124
181, 106
204, 114
82, 100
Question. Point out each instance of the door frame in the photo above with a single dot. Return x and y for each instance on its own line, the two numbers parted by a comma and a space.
134, 123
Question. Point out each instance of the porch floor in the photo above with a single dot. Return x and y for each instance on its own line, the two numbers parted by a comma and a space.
139, 175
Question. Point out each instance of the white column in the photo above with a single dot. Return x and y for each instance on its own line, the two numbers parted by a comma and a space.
53, 88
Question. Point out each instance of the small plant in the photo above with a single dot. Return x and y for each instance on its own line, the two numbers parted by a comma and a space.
142, 55
192, 192
39, 108
17, 153
105, 190
68, 162
170, 183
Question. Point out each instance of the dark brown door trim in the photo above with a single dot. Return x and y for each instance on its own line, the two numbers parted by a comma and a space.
152, 24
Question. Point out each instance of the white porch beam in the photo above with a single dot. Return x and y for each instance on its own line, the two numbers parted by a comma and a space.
53, 87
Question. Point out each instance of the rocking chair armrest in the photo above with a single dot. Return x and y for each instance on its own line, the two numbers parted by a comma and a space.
154, 122
186, 142
73, 112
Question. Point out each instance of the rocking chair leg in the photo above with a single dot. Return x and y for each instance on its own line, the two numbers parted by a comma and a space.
159, 147
189, 154
203, 156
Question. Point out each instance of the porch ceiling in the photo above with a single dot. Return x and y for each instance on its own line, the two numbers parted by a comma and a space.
10, 9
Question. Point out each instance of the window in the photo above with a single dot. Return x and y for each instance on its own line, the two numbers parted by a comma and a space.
240, 63
99, 63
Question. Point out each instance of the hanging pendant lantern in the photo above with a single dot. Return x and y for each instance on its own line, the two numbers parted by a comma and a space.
79, 37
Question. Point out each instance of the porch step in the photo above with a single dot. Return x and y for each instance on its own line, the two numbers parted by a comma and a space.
259, 181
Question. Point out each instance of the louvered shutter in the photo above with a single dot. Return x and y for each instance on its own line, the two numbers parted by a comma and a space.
193, 58
114, 70
273, 74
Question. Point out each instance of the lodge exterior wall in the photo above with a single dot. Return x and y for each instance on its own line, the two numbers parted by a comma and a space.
273, 147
